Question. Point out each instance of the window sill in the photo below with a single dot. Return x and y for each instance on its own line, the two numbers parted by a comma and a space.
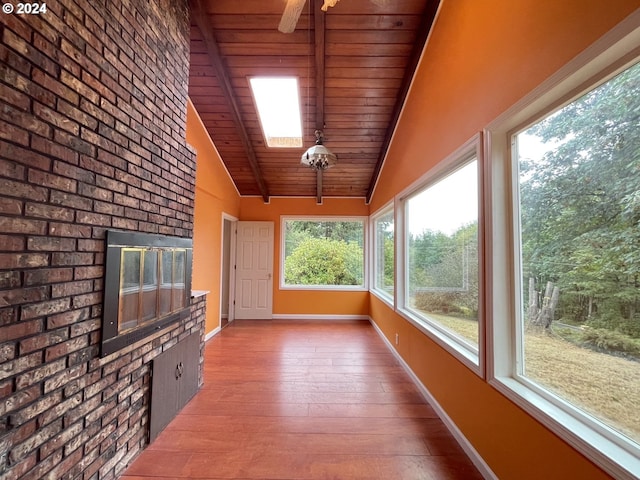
334, 288
620, 462
383, 298
461, 350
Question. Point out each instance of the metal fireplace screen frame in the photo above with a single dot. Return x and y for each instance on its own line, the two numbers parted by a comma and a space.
147, 286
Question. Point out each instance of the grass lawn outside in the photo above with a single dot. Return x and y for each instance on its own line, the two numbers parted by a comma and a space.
464, 327
604, 386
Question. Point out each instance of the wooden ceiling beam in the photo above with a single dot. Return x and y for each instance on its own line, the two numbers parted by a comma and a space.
319, 186
319, 34
201, 19
422, 35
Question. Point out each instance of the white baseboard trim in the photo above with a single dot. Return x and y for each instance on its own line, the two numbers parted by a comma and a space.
211, 334
475, 457
295, 316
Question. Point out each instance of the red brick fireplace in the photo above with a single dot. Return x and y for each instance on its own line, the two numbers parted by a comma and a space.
92, 138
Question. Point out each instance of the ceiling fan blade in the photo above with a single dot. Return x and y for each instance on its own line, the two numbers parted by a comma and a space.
290, 16
332, 3
327, 4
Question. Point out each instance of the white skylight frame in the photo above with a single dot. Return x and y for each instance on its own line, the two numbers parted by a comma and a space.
277, 101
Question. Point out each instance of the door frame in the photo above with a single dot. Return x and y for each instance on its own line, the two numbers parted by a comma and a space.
231, 278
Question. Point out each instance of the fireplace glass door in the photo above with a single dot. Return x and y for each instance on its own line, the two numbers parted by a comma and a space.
152, 284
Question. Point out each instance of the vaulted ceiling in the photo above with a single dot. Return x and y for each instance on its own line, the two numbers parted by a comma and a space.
354, 62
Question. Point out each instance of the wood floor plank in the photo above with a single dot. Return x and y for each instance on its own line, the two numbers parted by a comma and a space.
258, 375
203, 403
266, 387
360, 398
274, 370
249, 465
303, 400
271, 443
229, 425
372, 410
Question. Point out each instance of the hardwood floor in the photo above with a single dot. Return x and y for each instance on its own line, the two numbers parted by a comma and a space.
303, 400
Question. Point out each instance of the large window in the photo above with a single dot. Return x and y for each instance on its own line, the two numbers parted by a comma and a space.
579, 185
566, 305
383, 253
442, 252
441, 288
323, 253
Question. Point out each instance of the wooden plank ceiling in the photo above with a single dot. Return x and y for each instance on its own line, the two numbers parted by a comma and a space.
354, 64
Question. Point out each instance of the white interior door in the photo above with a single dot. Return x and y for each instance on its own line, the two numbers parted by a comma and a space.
254, 270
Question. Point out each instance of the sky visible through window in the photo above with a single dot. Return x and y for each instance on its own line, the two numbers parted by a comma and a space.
278, 104
441, 208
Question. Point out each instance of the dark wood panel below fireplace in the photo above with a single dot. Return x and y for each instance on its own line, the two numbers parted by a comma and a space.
174, 382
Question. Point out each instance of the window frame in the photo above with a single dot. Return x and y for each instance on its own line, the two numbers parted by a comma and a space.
389, 299
615, 51
471, 356
313, 218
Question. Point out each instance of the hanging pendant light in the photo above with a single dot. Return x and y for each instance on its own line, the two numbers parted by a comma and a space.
319, 157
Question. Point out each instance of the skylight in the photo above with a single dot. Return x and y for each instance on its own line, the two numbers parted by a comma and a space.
278, 104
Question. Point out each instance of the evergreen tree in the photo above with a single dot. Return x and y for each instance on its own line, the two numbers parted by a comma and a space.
580, 204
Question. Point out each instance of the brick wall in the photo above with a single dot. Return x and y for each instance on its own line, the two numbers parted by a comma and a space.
92, 126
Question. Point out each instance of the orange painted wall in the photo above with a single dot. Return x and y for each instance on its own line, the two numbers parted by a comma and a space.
215, 194
310, 302
482, 57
